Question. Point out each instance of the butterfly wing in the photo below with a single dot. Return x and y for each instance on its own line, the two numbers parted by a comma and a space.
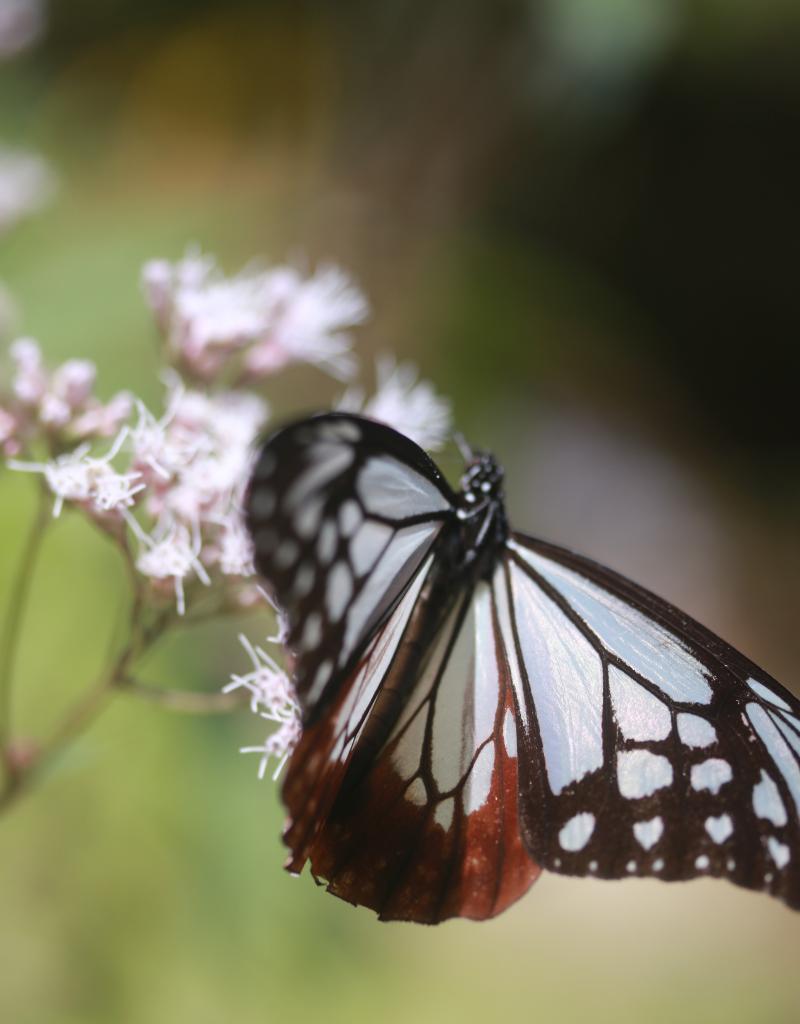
648, 745
342, 512
404, 796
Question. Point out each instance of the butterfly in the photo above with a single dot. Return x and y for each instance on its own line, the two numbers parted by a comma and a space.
479, 706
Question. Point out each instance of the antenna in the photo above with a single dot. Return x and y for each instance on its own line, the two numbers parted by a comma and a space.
467, 454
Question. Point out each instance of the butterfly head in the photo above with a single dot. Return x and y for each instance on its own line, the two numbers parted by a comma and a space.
482, 480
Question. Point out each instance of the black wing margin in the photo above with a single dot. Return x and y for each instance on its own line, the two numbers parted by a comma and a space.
651, 746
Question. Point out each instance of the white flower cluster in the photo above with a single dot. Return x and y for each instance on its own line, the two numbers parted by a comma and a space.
59, 405
21, 23
169, 486
258, 321
175, 481
404, 402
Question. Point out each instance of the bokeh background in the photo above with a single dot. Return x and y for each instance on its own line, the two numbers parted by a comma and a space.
581, 219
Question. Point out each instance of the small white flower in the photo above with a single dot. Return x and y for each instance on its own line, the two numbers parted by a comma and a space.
272, 697
82, 478
152, 448
173, 555
115, 491
54, 411
275, 316
9, 427
278, 745
99, 420
235, 549
312, 319
30, 379
73, 382
58, 396
26, 184
161, 280
21, 22
206, 316
402, 401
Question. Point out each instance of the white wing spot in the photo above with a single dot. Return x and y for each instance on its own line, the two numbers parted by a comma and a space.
630, 867
781, 753
782, 720
307, 519
303, 582
640, 773
398, 561
593, 865
767, 801
350, 517
444, 814
577, 832
312, 632
639, 714
720, 828
479, 782
340, 430
389, 488
701, 862
695, 731
779, 852
649, 832
326, 542
321, 677
339, 591
730, 864
326, 462
416, 793
510, 733
407, 755
367, 545
658, 864
711, 775
767, 694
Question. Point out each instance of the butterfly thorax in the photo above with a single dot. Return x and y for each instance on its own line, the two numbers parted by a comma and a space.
481, 510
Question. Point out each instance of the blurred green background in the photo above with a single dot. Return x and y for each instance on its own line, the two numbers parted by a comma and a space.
581, 219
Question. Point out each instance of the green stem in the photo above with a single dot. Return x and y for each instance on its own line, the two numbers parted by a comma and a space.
17, 604
189, 701
76, 720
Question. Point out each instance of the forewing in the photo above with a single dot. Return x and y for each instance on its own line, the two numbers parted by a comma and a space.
649, 746
403, 797
342, 512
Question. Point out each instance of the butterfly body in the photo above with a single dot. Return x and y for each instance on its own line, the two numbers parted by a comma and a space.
480, 705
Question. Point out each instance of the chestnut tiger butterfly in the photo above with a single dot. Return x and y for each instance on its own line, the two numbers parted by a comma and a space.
479, 706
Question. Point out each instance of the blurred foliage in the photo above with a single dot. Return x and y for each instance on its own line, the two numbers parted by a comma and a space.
572, 205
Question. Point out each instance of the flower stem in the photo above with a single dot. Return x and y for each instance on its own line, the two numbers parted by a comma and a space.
77, 719
15, 614
188, 701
